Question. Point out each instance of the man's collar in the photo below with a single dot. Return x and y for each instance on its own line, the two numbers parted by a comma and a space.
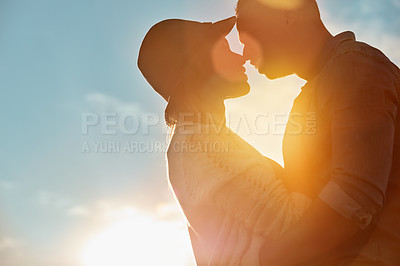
329, 50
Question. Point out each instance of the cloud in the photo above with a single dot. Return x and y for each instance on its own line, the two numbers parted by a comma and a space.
6, 185
107, 210
51, 199
396, 3
102, 103
9, 243
78, 211
169, 211
368, 23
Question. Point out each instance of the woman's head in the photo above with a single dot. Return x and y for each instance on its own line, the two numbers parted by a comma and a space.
190, 64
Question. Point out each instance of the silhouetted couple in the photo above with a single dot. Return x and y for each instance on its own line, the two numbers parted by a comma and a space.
337, 199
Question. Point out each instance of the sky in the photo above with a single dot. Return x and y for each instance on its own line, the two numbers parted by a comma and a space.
82, 165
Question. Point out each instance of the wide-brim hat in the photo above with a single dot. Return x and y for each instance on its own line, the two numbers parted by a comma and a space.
171, 46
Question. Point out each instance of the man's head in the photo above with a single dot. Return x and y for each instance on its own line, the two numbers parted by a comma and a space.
277, 33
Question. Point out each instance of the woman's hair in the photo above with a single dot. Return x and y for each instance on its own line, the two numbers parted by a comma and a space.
185, 100
177, 106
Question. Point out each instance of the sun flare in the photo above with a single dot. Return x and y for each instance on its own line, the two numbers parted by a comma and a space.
141, 240
284, 5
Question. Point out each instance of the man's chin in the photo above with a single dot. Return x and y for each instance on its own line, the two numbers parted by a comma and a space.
271, 76
273, 73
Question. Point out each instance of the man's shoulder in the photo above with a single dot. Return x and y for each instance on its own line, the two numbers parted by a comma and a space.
354, 55
355, 61
362, 49
357, 73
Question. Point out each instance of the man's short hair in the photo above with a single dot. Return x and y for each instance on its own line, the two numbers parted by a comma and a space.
307, 7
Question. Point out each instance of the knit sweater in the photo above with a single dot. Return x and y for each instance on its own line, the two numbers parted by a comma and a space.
231, 195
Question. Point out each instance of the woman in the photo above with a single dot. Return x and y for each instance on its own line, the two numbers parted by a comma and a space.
231, 195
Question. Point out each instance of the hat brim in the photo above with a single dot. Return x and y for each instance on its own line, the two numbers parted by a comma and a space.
225, 26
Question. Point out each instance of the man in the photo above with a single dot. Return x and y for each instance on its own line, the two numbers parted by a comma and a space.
350, 161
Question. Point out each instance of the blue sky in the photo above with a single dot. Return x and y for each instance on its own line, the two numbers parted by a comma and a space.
60, 60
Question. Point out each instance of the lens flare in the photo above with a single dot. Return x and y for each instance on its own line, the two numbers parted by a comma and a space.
252, 49
283, 4
226, 63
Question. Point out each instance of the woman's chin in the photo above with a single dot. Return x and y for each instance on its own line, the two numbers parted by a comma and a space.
239, 89
241, 78
229, 89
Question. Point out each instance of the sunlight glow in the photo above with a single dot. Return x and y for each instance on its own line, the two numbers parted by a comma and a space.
141, 240
283, 4
260, 117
